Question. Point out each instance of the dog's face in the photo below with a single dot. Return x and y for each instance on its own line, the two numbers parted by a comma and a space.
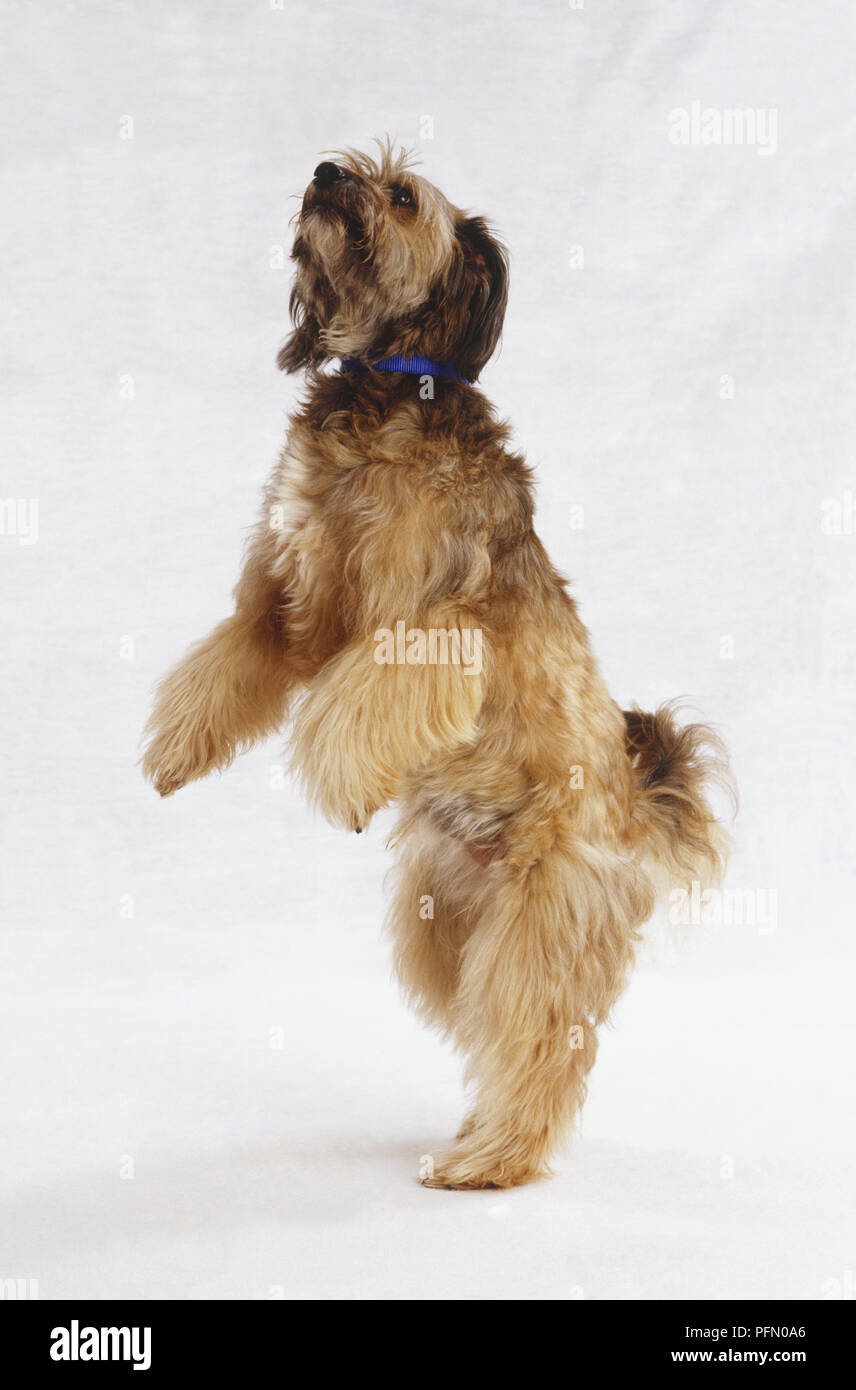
386, 264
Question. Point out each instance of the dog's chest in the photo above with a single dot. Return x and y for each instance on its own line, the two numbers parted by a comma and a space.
320, 513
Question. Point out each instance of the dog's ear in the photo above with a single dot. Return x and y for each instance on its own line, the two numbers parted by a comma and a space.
485, 264
301, 347
298, 349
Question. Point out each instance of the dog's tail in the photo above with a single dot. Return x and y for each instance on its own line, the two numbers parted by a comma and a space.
673, 768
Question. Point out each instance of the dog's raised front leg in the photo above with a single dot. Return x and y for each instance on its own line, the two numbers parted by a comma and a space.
369, 721
230, 690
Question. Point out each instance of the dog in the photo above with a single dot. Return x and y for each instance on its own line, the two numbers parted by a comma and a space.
533, 811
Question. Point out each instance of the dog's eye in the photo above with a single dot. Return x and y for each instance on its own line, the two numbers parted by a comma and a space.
402, 196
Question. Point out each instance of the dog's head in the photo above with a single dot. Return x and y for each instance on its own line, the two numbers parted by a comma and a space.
386, 264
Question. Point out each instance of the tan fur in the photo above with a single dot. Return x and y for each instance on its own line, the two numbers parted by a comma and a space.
531, 807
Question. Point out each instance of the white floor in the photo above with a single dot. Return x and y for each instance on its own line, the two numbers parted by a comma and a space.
209, 1085
236, 1111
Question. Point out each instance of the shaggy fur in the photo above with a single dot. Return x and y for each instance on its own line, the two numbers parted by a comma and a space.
531, 806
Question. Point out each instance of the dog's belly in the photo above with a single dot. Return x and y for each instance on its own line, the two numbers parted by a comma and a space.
468, 828
456, 805
464, 870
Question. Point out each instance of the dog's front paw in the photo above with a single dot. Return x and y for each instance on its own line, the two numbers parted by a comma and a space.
176, 754
165, 783
162, 770
342, 806
342, 775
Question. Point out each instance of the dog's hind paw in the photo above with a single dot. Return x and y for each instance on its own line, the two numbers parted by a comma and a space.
463, 1168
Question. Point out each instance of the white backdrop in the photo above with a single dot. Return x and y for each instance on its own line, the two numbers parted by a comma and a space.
210, 1085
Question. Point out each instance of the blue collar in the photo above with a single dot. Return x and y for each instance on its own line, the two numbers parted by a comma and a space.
417, 366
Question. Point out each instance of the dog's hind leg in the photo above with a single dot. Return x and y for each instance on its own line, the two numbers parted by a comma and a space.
539, 973
433, 911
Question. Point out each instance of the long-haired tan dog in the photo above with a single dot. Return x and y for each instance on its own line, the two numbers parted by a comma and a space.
396, 584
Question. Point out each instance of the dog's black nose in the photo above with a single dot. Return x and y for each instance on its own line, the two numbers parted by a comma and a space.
328, 173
